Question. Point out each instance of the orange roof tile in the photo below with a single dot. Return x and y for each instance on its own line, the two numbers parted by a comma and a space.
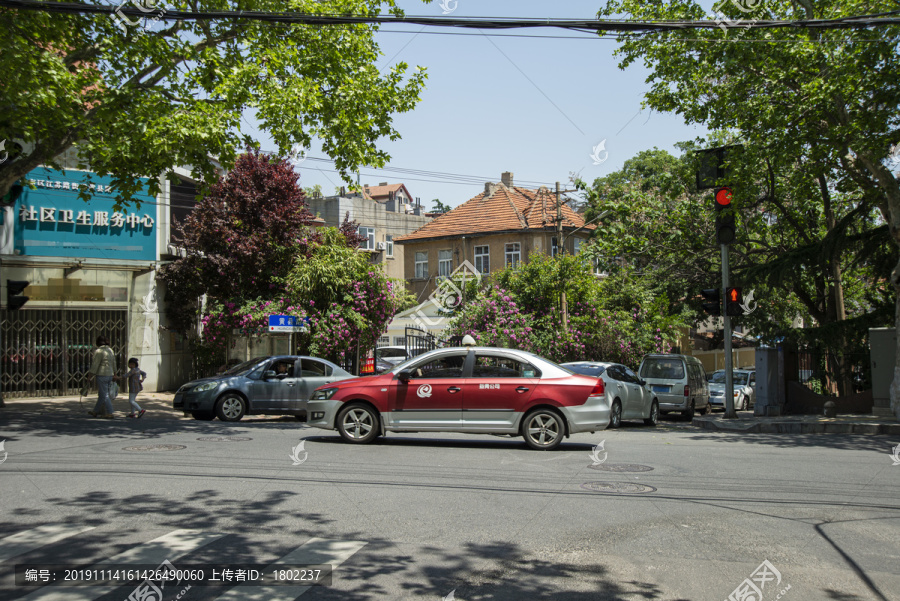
378, 192
505, 210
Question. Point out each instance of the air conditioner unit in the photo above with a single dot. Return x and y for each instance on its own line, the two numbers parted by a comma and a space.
381, 246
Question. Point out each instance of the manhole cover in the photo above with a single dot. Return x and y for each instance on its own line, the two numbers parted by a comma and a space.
224, 438
621, 467
618, 488
157, 447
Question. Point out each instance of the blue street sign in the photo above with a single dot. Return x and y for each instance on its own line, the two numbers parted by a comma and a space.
287, 323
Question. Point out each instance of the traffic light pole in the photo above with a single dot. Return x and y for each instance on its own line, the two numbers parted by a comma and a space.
729, 381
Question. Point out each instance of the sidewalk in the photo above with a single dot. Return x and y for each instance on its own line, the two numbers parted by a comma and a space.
157, 404
799, 424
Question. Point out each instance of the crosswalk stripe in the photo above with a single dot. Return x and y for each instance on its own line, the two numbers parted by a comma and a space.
170, 546
315, 551
29, 540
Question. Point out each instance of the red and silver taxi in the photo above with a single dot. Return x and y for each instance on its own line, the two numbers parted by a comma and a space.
476, 390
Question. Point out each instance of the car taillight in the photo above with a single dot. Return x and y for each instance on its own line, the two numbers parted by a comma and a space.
687, 390
599, 388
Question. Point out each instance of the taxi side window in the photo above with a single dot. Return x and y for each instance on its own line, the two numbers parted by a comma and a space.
489, 366
446, 366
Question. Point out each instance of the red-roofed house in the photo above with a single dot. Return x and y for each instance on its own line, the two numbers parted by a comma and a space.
502, 226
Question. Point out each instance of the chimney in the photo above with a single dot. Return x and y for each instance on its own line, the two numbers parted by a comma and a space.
489, 189
507, 178
383, 184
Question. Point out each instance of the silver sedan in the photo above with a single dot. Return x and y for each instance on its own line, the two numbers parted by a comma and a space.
629, 396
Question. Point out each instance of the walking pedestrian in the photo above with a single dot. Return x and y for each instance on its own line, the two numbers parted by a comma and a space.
103, 366
136, 377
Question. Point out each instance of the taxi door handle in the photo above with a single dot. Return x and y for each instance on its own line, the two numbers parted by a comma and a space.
454, 389
522, 389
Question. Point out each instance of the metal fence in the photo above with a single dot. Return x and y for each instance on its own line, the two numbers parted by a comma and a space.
48, 352
830, 372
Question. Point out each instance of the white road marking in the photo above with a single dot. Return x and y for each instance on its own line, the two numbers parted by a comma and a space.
315, 551
29, 540
170, 546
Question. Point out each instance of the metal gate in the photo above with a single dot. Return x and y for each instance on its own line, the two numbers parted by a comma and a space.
419, 341
47, 352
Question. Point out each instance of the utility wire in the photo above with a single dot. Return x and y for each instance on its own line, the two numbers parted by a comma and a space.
855, 22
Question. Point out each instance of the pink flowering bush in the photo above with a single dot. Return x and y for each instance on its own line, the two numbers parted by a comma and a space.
607, 320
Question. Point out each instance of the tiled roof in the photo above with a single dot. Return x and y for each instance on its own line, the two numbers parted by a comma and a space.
377, 192
506, 209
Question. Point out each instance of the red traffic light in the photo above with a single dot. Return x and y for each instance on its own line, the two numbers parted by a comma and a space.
723, 197
734, 295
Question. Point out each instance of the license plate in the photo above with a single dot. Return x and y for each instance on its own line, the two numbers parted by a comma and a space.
662, 388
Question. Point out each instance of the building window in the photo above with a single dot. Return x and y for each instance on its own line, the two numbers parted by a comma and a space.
369, 234
421, 265
554, 247
577, 243
444, 263
399, 340
383, 341
513, 254
483, 259
389, 245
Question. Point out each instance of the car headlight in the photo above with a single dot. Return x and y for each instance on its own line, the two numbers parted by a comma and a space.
324, 394
207, 386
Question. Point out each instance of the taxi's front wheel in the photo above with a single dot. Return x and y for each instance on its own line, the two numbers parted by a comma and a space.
358, 423
543, 430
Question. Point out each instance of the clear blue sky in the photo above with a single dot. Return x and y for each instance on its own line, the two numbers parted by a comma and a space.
535, 107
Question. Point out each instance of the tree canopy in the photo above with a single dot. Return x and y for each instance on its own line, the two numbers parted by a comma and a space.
816, 113
139, 99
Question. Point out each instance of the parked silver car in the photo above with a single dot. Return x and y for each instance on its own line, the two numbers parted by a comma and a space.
629, 396
278, 385
744, 389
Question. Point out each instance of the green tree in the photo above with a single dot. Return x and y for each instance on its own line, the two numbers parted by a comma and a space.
793, 95
440, 207
139, 102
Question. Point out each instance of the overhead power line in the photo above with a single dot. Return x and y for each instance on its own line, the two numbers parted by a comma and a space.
582, 25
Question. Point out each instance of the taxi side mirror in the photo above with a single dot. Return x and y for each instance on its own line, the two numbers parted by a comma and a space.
404, 376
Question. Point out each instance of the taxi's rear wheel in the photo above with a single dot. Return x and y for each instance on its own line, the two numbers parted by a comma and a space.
358, 423
543, 430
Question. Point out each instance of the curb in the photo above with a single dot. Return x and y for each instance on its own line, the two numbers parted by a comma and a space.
799, 428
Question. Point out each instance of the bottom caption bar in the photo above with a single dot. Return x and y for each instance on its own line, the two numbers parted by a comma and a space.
168, 574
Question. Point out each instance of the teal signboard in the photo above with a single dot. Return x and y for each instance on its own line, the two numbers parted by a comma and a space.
51, 221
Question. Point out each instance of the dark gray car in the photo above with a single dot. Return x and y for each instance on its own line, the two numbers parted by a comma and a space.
278, 385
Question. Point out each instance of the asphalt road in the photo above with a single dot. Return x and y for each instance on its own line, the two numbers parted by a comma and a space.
421, 516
